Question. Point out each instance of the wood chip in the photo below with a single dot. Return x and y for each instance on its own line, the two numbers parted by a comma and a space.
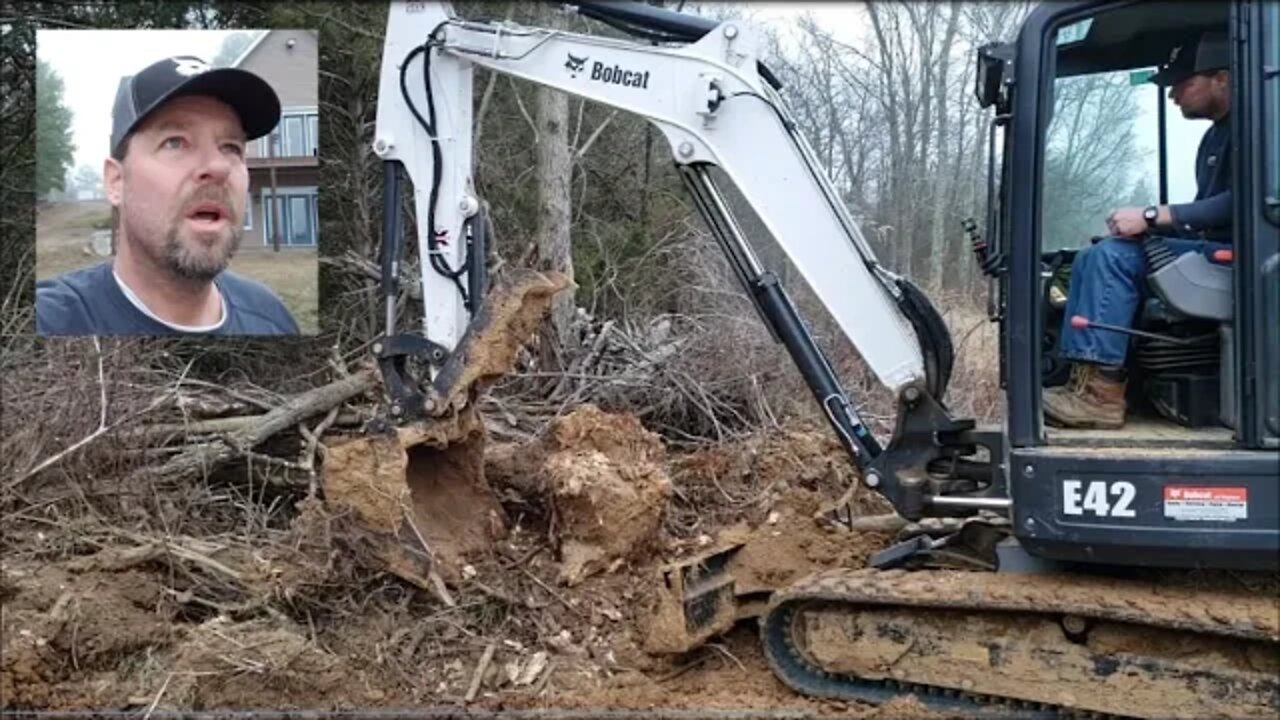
532, 669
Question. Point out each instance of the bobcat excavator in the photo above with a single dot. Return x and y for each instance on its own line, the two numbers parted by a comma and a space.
1119, 573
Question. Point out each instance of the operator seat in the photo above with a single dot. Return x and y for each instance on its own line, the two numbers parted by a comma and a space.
1192, 381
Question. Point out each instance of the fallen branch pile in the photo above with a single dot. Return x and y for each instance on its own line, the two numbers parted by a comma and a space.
663, 372
248, 433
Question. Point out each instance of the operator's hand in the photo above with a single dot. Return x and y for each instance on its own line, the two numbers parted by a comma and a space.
1127, 222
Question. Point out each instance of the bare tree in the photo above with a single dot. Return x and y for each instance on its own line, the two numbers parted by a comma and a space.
942, 177
837, 116
893, 119
554, 168
1089, 159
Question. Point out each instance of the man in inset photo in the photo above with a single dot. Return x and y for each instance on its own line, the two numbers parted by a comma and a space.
177, 182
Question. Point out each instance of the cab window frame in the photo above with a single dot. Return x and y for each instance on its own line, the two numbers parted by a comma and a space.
1270, 112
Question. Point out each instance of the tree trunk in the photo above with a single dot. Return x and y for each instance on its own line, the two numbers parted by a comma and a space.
648, 174
942, 195
554, 171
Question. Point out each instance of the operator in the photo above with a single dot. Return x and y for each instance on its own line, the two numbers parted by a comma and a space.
1108, 278
178, 184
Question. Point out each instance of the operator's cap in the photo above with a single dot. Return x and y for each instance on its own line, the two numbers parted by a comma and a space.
141, 94
1205, 53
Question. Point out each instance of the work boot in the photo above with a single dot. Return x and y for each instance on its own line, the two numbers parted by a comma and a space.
1088, 400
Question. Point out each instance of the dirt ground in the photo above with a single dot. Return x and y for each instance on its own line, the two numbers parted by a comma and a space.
293, 619
64, 230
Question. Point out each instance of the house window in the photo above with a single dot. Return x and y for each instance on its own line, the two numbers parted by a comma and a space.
296, 208
295, 141
300, 231
297, 135
248, 211
269, 146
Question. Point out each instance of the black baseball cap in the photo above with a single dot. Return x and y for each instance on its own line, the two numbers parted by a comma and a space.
1203, 54
141, 94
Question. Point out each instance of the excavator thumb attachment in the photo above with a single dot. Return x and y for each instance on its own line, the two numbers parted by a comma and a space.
487, 350
932, 334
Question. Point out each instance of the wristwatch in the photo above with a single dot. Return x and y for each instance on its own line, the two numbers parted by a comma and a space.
1150, 214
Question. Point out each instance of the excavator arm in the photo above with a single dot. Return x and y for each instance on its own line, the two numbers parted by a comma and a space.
706, 90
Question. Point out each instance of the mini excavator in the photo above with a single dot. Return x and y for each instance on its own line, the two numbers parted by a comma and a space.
1120, 572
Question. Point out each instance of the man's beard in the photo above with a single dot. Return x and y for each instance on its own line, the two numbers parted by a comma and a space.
201, 267
1191, 113
1208, 107
179, 259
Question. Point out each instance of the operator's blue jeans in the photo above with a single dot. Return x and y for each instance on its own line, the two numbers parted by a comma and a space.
1108, 285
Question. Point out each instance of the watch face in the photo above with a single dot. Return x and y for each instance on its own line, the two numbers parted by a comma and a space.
1150, 213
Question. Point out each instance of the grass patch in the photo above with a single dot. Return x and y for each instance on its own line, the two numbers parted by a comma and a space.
54, 260
92, 222
294, 275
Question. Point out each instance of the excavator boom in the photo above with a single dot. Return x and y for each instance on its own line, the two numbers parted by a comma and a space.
709, 101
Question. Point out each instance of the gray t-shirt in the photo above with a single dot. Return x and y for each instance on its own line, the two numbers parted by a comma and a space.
90, 302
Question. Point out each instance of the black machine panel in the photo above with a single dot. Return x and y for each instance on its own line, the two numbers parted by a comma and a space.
1144, 508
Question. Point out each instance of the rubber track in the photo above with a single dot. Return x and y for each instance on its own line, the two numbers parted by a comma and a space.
1212, 612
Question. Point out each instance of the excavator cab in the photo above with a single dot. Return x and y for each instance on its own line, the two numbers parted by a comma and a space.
1108, 141
1193, 477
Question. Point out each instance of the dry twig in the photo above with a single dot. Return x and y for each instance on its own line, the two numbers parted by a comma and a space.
478, 677
103, 427
433, 578
553, 593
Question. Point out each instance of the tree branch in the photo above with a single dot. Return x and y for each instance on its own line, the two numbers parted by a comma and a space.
197, 459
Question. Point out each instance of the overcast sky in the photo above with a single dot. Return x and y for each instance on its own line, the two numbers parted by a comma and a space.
91, 63
844, 20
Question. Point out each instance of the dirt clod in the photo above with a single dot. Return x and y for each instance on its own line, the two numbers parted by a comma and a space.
223, 664
608, 484
60, 627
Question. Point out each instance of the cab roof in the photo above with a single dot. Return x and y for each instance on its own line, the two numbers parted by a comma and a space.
1137, 36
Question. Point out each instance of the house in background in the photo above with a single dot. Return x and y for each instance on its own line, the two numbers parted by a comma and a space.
285, 165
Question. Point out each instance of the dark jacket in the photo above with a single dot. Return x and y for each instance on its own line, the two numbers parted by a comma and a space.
1209, 215
90, 302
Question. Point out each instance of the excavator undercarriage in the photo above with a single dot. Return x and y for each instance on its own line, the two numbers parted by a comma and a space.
980, 643
969, 623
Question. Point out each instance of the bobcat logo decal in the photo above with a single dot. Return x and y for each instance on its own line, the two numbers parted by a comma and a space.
575, 65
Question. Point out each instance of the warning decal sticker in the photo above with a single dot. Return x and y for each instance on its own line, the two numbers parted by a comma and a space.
1218, 504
